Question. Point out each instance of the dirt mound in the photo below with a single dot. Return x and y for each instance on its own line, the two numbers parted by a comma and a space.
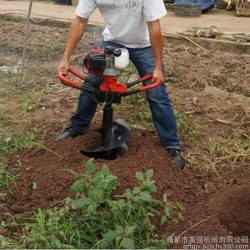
47, 168
234, 213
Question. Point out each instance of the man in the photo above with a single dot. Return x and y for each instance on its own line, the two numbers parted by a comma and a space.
133, 24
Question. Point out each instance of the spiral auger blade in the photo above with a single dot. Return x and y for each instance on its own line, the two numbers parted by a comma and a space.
114, 144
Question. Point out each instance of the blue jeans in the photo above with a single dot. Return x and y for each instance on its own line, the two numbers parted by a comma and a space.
159, 102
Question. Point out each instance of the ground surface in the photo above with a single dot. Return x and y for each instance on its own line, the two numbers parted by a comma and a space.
210, 91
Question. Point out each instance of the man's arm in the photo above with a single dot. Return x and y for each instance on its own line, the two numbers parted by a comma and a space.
156, 41
76, 32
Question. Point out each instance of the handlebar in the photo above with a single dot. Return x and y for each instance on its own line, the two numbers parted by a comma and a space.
124, 91
69, 82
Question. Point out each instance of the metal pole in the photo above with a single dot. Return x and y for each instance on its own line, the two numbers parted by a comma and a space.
26, 35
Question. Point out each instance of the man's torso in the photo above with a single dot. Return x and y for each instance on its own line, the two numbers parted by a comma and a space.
126, 20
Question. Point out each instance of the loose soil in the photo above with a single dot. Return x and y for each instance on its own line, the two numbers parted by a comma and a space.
211, 87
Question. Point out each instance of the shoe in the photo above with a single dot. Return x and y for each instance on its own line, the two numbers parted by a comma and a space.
68, 133
176, 158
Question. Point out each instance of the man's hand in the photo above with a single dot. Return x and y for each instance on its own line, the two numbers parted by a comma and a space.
63, 67
158, 74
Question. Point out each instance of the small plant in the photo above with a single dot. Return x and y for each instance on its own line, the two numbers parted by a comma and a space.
28, 102
193, 135
6, 179
95, 218
9, 143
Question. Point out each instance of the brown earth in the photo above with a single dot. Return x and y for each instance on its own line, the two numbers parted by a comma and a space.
211, 87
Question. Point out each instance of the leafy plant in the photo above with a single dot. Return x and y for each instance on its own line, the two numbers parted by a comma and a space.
95, 218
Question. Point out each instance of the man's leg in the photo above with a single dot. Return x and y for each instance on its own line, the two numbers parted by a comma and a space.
160, 105
85, 111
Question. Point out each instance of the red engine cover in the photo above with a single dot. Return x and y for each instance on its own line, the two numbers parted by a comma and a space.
95, 51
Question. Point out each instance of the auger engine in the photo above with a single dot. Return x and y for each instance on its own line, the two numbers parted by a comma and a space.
106, 62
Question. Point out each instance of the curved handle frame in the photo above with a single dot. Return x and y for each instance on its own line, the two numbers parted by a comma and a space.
115, 87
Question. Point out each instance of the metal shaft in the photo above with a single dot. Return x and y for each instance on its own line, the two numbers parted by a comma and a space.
107, 123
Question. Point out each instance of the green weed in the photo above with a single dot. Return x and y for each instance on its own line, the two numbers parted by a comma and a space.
95, 218
28, 102
2, 115
5, 119
6, 179
10, 143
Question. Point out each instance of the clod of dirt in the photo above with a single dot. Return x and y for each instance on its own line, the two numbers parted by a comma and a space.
235, 213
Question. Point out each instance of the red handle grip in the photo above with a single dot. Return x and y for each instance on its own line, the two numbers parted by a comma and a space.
77, 85
154, 84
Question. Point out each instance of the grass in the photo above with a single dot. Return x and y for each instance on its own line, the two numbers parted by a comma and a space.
6, 243
13, 82
140, 116
225, 151
28, 101
10, 143
41, 51
6, 179
232, 148
138, 109
186, 125
5, 119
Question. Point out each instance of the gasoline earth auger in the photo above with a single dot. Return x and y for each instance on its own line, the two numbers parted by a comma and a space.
107, 64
